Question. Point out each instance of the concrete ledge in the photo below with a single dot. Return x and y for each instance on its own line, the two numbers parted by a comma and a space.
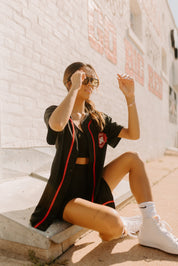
19, 195
26, 160
171, 151
17, 236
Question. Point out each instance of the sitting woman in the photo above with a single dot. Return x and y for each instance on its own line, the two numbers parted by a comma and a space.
80, 187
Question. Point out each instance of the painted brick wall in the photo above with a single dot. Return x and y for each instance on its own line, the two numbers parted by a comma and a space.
41, 37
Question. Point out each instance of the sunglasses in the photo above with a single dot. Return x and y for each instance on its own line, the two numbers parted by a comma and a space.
94, 82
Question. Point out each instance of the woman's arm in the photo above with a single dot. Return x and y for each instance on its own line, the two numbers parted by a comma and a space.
126, 85
60, 117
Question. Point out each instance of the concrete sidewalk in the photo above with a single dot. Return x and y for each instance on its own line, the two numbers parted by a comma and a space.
90, 250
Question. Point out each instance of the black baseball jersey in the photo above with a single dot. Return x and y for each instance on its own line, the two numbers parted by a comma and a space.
66, 143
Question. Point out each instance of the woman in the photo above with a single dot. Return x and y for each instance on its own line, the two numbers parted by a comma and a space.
79, 189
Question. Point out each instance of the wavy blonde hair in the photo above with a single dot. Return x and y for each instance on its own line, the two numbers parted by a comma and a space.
89, 105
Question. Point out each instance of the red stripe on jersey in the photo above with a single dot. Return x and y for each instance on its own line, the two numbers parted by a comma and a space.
65, 169
111, 201
94, 178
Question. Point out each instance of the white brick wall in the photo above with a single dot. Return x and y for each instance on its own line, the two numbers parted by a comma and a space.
41, 37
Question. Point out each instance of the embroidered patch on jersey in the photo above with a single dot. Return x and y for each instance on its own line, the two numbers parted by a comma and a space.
102, 139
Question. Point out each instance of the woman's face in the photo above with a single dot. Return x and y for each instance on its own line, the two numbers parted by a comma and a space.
90, 83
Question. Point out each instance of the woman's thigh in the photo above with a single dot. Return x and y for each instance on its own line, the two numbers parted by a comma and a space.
118, 168
93, 216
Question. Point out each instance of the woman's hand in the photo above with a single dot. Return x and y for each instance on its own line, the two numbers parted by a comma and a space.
77, 79
126, 85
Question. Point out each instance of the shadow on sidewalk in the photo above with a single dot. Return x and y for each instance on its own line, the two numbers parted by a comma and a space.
106, 253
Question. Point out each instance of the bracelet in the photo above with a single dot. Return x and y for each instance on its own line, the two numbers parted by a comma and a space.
131, 104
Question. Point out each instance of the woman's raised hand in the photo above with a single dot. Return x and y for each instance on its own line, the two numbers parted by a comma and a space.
126, 85
77, 79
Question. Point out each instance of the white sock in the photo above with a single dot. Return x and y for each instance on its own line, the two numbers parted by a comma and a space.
148, 209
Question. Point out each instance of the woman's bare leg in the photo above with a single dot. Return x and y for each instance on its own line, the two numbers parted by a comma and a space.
129, 163
102, 218
94, 216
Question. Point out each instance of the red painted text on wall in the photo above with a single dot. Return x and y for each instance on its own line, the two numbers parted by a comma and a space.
134, 62
101, 32
155, 84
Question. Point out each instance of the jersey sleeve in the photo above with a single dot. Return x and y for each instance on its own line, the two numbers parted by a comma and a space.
112, 130
51, 134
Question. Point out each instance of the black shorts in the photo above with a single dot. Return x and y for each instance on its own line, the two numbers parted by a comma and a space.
79, 189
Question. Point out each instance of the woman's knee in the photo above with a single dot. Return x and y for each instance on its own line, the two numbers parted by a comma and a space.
134, 159
113, 227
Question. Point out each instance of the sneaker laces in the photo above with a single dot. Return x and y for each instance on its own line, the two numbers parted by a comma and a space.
132, 225
165, 227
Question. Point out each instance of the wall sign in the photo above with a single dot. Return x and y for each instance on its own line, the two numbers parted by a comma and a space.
134, 62
155, 84
102, 34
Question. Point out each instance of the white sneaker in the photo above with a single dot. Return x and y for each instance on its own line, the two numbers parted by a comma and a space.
132, 224
153, 233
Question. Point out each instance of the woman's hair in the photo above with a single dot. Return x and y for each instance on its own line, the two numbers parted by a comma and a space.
89, 105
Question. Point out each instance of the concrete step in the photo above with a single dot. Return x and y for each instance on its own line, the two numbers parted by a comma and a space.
171, 151
26, 160
15, 227
18, 199
19, 194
